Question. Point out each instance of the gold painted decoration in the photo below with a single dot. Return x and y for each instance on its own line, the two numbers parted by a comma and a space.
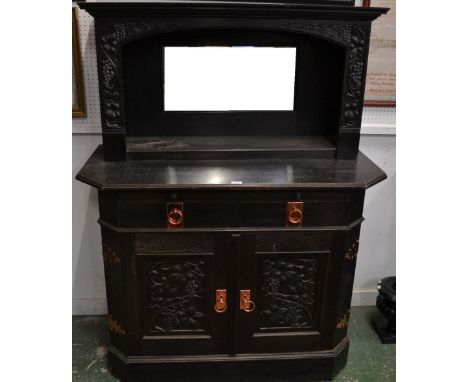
353, 251
343, 323
109, 255
114, 326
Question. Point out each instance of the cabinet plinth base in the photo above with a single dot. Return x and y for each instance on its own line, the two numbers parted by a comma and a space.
306, 366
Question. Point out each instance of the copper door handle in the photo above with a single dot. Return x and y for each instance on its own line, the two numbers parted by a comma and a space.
220, 305
246, 304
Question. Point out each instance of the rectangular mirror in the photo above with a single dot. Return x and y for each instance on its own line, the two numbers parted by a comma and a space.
229, 78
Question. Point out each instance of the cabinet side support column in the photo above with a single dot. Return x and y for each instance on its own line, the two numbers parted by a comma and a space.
353, 92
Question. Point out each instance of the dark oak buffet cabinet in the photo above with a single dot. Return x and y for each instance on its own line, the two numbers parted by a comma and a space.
230, 237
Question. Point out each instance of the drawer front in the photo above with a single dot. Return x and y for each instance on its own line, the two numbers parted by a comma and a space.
315, 212
235, 209
196, 214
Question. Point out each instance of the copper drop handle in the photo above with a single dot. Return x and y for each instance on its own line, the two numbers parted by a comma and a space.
175, 215
294, 213
295, 216
220, 305
246, 304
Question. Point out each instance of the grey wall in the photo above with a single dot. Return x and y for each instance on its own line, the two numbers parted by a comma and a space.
376, 258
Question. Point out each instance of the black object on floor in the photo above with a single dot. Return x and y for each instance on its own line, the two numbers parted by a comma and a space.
385, 326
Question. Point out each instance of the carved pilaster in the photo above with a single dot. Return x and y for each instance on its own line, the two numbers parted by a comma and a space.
355, 79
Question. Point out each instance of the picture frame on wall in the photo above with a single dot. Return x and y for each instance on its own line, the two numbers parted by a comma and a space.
78, 96
381, 67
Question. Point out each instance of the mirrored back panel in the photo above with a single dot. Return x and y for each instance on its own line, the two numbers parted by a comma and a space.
214, 78
232, 83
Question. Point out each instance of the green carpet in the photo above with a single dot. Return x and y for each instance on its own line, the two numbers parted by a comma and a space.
368, 359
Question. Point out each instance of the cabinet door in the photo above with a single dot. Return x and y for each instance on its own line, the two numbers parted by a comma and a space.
287, 274
179, 274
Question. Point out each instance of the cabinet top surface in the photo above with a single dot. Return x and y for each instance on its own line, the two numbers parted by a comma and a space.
136, 2
259, 174
282, 8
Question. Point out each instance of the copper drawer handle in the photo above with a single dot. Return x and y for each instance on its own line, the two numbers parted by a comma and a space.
220, 305
175, 215
246, 304
294, 214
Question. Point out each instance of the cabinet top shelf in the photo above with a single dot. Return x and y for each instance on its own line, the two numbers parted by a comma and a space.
230, 174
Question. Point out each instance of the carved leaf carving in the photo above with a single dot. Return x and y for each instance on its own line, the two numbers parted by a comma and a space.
176, 299
110, 37
288, 288
339, 33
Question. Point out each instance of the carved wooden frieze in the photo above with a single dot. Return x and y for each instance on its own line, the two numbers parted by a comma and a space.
110, 35
338, 33
288, 293
355, 79
176, 295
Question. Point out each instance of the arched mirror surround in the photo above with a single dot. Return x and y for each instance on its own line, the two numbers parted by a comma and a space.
317, 87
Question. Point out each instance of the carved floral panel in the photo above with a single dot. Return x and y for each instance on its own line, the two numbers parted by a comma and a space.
176, 295
288, 293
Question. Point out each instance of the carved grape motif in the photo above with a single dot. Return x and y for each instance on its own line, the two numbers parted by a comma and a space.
358, 46
352, 110
355, 81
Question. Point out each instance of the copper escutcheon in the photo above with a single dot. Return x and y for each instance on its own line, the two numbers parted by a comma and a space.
246, 304
220, 305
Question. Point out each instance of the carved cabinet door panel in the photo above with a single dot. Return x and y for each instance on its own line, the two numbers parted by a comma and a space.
287, 274
179, 276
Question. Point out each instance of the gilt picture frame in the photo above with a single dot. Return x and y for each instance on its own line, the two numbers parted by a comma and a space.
78, 94
381, 67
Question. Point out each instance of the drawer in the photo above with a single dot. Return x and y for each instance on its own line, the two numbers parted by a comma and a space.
311, 213
194, 214
232, 210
